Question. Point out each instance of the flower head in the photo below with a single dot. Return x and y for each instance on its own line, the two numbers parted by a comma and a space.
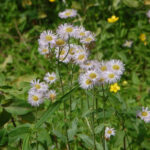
114, 88
50, 77
65, 31
43, 49
109, 132
142, 37
113, 19
39, 86
85, 82
51, 94
47, 37
68, 13
35, 98
128, 44
148, 13
144, 114
116, 66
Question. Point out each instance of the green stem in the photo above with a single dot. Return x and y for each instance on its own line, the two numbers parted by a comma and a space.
36, 129
87, 99
62, 88
104, 112
93, 121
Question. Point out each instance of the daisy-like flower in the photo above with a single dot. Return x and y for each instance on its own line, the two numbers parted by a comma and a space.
88, 39
60, 42
50, 77
81, 32
102, 66
65, 31
63, 54
81, 57
35, 98
111, 77
114, 88
85, 82
148, 14
88, 65
144, 114
101, 79
39, 86
93, 75
43, 49
51, 94
47, 37
116, 66
68, 13
109, 132
128, 44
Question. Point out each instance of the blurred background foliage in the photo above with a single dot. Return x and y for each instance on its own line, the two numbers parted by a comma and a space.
22, 21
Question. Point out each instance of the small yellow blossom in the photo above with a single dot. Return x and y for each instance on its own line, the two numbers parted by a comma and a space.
113, 19
142, 37
52, 1
114, 88
124, 83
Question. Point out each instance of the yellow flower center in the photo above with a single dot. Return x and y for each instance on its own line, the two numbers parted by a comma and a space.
88, 39
48, 38
68, 13
103, 68
71, 51
82, 33
88, 82
51, 78
52, 96
92, 75
142, 37
111, 75
60, 42
35, 98
69, 29
116, 67
109, 131
144, 113
37, 86
62, 52
44, 50
101, 80
81, 57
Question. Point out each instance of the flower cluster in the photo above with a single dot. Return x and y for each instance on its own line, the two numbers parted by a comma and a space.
97, 73
40, 90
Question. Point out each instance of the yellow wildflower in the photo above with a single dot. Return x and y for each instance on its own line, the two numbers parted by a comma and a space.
114, 88
142, 37
113, 19
124, 83
52, 1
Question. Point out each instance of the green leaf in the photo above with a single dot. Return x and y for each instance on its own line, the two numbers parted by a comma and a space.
26, 143
87, 140
4, 117
135, 78
99, 129
18, 132
52, 108
116, 3
19, 108
73, 130
3, 137
131, 3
